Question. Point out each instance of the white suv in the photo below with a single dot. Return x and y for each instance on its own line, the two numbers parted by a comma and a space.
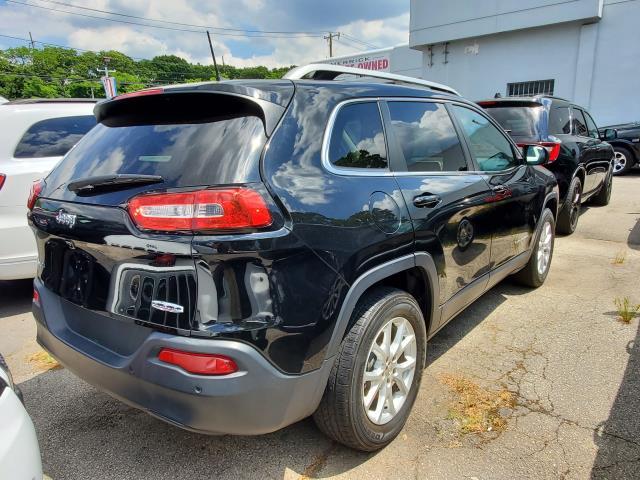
34, 136
19, 451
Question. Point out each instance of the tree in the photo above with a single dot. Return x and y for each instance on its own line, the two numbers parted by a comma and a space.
61, 72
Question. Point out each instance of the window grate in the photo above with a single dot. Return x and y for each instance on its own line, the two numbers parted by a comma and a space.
531, 88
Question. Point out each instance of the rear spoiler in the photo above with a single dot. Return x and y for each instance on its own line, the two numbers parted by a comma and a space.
186, 105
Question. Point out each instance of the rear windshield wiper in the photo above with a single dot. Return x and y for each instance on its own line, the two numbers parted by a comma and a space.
90, 185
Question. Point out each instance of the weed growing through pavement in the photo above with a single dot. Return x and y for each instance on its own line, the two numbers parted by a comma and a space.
619, 258
476, 409
43, 360
626, 310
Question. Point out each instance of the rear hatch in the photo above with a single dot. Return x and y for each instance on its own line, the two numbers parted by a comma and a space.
524, 120
114, 221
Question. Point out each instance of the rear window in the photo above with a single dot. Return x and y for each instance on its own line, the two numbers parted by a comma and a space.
219, 150
53, 137
520, 121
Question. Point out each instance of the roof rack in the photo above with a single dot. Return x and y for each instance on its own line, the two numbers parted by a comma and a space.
325, 71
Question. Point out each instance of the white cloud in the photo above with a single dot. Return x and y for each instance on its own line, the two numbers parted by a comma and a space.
142, 42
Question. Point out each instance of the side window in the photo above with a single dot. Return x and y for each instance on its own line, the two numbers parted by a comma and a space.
591, 125
53, 137
427, 136
559, 121
490, 148
357, 138
579, 124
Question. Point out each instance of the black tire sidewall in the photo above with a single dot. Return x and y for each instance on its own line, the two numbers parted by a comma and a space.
367, 431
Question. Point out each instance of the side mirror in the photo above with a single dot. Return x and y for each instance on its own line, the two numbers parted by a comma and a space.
609, 134
535, 154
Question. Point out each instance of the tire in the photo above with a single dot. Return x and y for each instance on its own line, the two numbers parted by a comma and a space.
603, 197
570, 211
531, 275
623, 160
342, 414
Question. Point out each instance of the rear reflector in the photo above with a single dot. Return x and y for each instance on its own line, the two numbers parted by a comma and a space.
36, 297
2, 179
552, 147
36, 189
229, 208
199, 363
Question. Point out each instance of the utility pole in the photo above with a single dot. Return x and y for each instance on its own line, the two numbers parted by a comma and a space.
33, 44
215, 64
330, 38
105, 70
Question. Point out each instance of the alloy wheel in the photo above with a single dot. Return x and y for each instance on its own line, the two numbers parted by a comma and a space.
544, 248
389, 371
619, 162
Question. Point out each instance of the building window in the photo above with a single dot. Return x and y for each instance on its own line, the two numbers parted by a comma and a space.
529, 89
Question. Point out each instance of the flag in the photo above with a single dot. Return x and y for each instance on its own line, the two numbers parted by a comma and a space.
110, 88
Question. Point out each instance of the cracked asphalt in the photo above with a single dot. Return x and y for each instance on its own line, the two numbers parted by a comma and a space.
573, 367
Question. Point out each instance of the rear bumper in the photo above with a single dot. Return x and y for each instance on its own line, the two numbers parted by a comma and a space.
18, 251
255, 400
17, 269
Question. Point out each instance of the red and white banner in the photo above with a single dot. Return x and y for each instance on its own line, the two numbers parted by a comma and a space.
379, 61
110, 88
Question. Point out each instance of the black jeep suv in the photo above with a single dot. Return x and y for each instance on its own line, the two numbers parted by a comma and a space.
625, 140
233, 257
580, 160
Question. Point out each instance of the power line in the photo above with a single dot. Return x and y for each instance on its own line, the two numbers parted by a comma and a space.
175, 29
348, 43
180, 23
362, 42
61, 46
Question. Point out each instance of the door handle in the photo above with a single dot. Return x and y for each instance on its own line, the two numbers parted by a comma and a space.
426, 200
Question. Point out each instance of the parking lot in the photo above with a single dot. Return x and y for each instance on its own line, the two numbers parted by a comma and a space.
571, 370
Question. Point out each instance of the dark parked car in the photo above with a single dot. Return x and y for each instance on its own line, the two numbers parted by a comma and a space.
580, 160
233, 257
625, 140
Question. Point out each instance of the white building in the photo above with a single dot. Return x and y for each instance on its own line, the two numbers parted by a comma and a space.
587, 51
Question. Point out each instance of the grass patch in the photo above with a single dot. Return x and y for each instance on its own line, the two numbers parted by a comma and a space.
626, 310
44, 361
619, 258
476, 409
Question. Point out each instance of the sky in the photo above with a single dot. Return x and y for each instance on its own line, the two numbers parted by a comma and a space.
378, 23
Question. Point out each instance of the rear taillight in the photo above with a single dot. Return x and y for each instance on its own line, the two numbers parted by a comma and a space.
552, 147
36, 189
216, 209
2, 179
199, 363
36, 297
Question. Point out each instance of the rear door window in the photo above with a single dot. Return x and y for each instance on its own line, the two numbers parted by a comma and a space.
427, 137
559, 121
490, 148
53, 137
579, 123
357, 137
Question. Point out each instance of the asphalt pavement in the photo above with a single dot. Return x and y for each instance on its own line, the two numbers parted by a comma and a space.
571, 365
